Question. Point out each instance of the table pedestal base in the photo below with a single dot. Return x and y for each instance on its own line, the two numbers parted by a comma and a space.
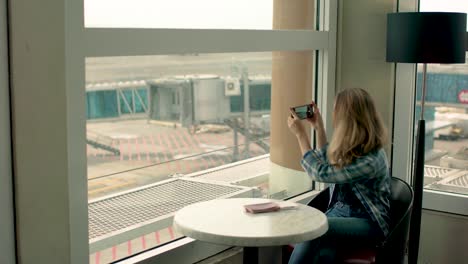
262, 255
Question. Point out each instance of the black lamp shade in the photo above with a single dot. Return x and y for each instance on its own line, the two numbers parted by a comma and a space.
426, 37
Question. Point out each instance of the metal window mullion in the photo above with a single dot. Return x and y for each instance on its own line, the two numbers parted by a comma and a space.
327, 62
327, 66
141, 101
150, 101
118, 102
104, 42
133, 100
7, 206
125, 100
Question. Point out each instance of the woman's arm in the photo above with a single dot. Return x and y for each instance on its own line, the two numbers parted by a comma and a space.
365, 167
298, 130
304, 143
321, 135
317, 123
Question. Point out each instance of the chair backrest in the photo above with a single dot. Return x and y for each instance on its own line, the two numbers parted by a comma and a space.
320, 201
392, 250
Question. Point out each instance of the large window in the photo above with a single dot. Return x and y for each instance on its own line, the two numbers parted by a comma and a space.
177, 115
446, 116
166, 116
161, 126
445, 177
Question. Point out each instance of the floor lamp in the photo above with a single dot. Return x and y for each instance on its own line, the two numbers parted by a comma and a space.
424, 37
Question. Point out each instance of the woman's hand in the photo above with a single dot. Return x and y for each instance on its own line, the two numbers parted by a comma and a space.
295, 125
316, 121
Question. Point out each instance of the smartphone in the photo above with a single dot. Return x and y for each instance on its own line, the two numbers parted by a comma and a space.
303, 111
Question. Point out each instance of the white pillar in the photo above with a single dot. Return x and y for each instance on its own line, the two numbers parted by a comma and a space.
49, 146
292, 84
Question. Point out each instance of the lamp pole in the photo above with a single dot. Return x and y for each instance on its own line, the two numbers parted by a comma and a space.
418, 180
424, 37
423, 95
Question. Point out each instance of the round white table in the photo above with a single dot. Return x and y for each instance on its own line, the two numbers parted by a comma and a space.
225, 222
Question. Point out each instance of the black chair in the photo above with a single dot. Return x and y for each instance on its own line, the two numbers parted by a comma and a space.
392, 249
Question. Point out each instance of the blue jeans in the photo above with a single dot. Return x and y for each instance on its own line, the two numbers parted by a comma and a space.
343, 232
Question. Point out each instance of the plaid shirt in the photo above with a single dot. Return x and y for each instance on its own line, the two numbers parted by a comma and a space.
368, 176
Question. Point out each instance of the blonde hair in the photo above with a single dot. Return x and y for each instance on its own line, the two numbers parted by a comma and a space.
358, 127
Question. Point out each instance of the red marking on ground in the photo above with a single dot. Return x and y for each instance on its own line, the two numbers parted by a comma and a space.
154, 149
173, 137
148, 158
161, 143
137, 148
221, 140
205, 162
202, 161
114, 252
158, 239
181, 135
143, 241
129, 150
129, 247
188, 166
179, 168
214, 160
103, 153
97, 257
190, 145
176, 151
195, 139
171, 232
108, 156
121, 150
200, 138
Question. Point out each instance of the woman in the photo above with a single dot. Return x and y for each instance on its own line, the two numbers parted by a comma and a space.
355, 165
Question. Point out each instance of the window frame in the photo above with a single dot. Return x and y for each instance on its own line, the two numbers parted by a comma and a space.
7, 228
61, 209
103, 42
403, 145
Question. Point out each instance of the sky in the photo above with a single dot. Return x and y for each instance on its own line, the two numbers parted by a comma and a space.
220, 14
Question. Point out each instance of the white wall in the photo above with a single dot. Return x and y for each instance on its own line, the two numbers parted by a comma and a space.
7, 247
361, 51
444, 238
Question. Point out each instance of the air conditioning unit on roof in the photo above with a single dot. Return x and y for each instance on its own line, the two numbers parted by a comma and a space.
232, 87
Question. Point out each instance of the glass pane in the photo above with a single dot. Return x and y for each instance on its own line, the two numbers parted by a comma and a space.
446, 115
201, 14
167, 131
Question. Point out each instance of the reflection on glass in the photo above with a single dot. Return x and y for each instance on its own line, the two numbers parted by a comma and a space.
167, 131
446, 118
199, 14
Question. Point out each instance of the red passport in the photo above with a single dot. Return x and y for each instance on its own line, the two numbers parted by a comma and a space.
261, 207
